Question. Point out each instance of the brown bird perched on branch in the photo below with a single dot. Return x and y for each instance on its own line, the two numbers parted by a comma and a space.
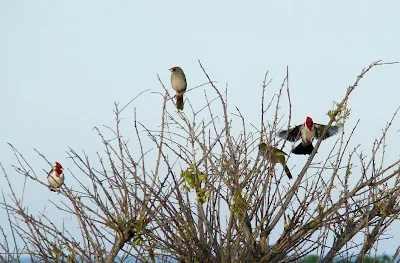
178, 83
276, 155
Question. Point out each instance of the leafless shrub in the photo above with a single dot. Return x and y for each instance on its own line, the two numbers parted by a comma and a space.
201, 193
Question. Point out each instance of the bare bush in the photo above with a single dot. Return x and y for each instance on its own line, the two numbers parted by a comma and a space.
202, 192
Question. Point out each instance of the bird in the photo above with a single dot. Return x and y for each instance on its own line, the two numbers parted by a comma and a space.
55, 177
276, 155
178, 83
307, 132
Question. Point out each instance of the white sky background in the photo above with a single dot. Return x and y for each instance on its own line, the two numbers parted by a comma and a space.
64, 63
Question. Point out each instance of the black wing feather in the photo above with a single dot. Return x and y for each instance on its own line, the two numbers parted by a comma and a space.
291, 134
320, 129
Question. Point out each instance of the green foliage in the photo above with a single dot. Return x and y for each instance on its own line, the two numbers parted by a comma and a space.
311, 259
378, 259
55, 251
238, 204
133, 226
340, 114
194, 178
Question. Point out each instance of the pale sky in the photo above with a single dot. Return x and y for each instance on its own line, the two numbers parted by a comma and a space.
64, 63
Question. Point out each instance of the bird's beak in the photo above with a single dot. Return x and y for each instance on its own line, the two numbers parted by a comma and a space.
171, 69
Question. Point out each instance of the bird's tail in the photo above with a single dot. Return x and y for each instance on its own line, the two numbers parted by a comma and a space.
287, 171
303, 148
179, 101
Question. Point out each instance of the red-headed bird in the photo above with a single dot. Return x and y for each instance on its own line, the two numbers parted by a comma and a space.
307, 132
55, 177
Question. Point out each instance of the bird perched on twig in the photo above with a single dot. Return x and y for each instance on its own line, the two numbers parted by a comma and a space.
307, 132
55, 177
178, 83
276, 155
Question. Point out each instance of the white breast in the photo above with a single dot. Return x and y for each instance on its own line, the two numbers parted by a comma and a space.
55, 181
307, 135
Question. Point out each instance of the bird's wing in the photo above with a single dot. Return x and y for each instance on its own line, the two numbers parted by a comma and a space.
291, 134
319, 129
50, 174
278, 152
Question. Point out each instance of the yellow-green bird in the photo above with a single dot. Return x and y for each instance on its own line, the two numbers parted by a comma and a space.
277, 156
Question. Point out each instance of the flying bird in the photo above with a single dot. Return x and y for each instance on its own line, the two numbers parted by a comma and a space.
178, 83
276, 155
307, 132
55, 177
